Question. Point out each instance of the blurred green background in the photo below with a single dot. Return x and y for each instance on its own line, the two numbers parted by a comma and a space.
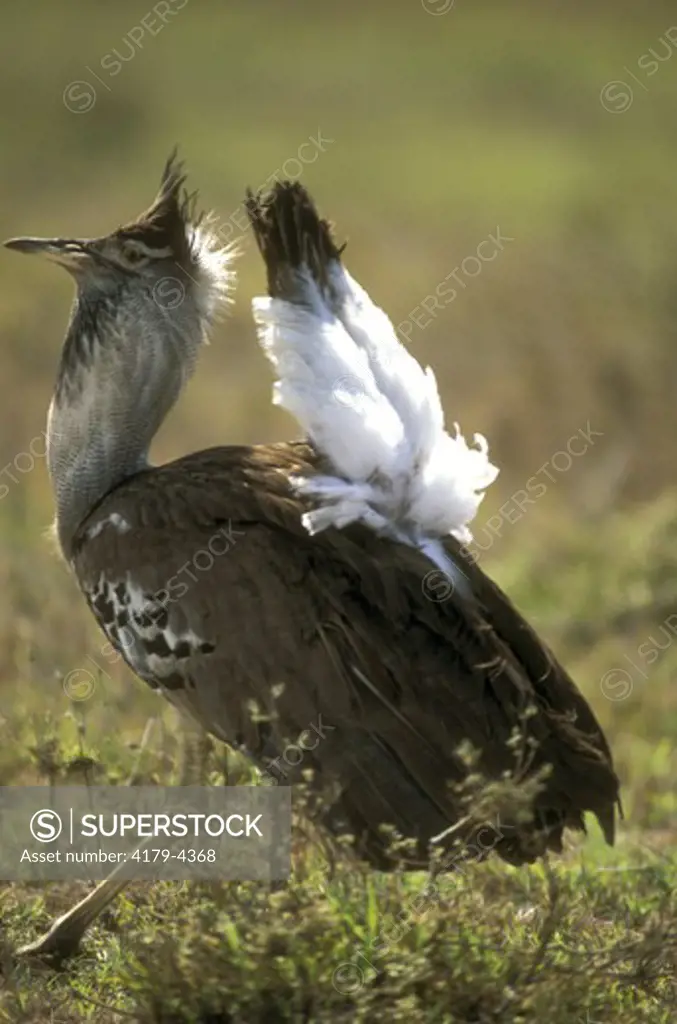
442, 122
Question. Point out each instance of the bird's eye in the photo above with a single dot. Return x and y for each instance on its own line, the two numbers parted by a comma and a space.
134, 256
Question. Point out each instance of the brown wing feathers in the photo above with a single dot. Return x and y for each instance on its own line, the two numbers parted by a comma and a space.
572, 719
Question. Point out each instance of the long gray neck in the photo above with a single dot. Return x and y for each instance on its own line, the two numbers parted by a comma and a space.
120, 375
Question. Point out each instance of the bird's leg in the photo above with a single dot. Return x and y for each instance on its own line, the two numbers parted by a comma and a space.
64, 937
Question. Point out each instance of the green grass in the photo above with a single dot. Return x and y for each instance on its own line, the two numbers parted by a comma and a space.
444, 128
580, 942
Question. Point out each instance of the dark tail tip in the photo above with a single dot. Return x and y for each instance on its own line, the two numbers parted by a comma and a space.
290, 234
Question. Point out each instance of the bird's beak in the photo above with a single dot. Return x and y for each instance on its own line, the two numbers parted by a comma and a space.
70, 253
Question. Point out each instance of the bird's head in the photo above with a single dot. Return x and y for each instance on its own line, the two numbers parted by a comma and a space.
164, 269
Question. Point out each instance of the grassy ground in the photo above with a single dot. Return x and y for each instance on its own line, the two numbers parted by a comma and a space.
551, 123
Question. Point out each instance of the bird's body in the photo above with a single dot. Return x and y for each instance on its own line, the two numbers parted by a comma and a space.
204, 575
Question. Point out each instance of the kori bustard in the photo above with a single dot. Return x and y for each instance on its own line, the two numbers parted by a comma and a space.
319, 607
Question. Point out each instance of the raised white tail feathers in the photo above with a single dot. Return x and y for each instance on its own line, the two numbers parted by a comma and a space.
371, 409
